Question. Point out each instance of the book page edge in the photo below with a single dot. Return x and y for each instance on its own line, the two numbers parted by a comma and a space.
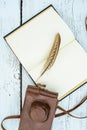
73, 89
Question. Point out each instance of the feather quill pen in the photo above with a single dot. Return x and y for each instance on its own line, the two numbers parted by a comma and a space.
52, 55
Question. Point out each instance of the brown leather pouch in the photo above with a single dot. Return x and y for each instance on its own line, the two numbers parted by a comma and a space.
38, 110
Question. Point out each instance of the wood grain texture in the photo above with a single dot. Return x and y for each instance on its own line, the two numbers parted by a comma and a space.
73, 13
9, 65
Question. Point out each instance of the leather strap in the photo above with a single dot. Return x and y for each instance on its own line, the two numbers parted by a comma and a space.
72, 109
7, 118
57, 115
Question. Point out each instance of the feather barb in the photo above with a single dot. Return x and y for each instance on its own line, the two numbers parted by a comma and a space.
52, 55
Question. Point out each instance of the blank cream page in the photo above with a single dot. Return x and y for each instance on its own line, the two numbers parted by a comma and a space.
32, 41
68, 72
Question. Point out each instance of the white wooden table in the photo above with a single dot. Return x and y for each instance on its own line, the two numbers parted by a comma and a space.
14, 79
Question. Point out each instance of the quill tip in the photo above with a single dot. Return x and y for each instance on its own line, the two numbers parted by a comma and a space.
58, 39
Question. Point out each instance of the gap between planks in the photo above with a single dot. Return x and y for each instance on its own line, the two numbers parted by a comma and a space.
21, 4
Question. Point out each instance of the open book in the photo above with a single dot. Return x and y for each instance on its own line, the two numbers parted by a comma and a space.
32, 42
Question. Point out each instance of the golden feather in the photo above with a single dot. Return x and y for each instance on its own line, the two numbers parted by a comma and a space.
52, 55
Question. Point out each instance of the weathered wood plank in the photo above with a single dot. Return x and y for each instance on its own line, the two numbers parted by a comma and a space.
73, 13
9, 65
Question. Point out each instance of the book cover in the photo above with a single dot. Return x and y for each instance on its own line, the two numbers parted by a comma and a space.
32, 43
